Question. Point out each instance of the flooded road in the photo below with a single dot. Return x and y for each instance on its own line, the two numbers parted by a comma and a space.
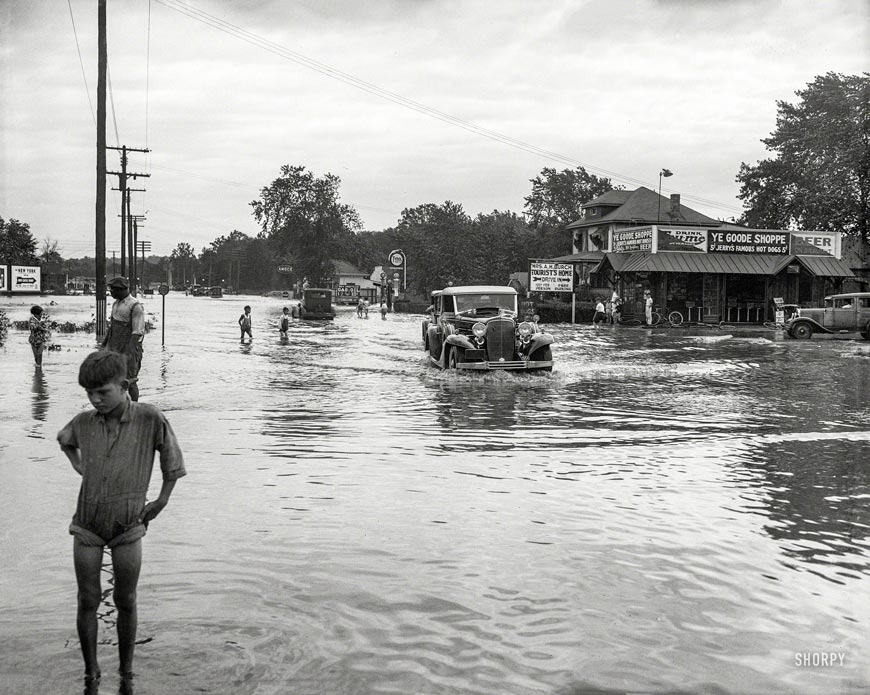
662, 513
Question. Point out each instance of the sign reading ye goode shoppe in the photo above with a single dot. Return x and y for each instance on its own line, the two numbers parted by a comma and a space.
749, 242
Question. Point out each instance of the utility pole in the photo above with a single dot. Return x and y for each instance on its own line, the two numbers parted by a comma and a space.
113, 264
133, 226
126, 231
100, 226
142, 246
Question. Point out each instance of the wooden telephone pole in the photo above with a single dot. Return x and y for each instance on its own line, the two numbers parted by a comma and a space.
127, 247
100, 232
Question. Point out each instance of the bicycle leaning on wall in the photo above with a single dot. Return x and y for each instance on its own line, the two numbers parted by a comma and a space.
662, 314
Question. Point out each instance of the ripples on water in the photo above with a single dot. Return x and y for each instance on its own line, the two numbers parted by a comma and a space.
662, 513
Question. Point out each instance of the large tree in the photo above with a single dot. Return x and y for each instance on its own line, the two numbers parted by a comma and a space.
556, 200
438, 243
308, 225
17, 245
183, 263
819, 178
504, 242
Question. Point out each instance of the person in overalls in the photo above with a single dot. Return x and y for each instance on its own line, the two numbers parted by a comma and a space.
126, 330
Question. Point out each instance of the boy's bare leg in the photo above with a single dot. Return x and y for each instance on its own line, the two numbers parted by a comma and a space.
126, 561
88, 561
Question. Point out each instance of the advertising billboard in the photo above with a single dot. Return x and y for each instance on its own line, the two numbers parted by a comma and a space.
815, 244
682, 240
749, 242
3, 287
25, 279
551, 277
631, 240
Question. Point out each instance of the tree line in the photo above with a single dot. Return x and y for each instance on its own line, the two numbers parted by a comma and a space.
817, 178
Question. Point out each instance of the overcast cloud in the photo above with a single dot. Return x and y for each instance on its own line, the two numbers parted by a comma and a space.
623, 87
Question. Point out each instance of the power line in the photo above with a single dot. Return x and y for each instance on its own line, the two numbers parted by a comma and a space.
81, 62
112, 100
147, 72
333, 73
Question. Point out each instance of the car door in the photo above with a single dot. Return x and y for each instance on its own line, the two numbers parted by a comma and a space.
863, 317
435, 332
845, 310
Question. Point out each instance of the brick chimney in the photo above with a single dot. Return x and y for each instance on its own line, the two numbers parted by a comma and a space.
674, 212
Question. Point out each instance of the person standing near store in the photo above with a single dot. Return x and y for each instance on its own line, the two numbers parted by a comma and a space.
599, 316
648, 306
126, 330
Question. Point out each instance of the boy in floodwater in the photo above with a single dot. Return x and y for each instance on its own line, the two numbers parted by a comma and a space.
39, 332
112, 447
285, 322
245, 324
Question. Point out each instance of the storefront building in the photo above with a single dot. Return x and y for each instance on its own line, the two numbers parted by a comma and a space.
708, 270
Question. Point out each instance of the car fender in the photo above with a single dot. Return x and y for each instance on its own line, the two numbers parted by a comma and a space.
538, 341
804, 319
459, 340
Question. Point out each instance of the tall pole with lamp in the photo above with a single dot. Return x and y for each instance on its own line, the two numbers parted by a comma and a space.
666, 173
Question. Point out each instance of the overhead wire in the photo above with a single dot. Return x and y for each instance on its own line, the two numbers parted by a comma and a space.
371, 88
81, 62
112, 101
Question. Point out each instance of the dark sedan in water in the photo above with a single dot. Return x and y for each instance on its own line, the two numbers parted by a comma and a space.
477, 327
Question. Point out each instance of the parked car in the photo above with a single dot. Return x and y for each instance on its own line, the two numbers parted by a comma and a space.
478, 327
317, 304
842, 313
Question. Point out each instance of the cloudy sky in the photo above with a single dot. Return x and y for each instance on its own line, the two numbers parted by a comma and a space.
407, 101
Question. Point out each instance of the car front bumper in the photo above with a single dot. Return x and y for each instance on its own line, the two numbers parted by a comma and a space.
507, 365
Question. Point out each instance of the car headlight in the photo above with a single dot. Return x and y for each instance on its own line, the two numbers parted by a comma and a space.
479, 330
525, 329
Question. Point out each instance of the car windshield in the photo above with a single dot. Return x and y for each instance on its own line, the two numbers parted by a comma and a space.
487, 300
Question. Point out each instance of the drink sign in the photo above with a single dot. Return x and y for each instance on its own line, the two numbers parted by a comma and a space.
286, 269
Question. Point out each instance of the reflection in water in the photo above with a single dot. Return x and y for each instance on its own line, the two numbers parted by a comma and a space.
817, 503
40, 395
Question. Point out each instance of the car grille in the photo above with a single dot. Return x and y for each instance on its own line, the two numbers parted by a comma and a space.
500, 340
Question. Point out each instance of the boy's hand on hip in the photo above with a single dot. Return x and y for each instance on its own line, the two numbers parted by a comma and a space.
151, 510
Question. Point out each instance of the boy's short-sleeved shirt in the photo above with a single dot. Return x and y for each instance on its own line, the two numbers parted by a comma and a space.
117, 468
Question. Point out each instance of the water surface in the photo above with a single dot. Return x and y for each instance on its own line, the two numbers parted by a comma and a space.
662, 513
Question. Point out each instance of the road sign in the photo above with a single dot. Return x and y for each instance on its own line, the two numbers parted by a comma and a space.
163, 289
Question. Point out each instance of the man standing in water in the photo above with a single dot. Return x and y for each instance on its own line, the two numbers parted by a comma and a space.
126, 330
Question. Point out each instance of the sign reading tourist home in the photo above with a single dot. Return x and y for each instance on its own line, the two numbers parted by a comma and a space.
749, 242
551, 277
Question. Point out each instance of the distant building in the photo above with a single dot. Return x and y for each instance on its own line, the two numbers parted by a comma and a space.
349, 283
708, 269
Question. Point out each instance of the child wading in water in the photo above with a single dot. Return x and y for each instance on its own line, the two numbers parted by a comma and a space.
285, 322
245, 324
39, 333
112, 447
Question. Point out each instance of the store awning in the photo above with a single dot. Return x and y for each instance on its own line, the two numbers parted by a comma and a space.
616, 260
825, 266
584, 257
731, 263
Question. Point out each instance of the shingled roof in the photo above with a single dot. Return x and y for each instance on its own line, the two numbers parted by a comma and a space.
640, 206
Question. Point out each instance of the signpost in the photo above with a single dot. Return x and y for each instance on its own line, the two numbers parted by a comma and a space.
399, 261
164, 290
